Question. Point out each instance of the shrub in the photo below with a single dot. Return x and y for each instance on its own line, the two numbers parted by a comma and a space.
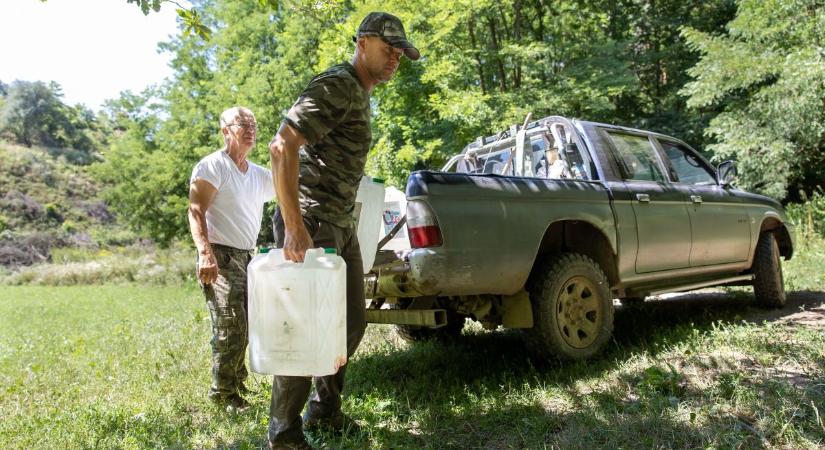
21, 205
53, 212
134, 264
27, 249
809, 216
69, 227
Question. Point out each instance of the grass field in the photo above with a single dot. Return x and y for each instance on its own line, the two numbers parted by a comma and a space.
128, 367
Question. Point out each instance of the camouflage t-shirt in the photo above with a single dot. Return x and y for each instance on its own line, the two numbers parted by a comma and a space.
333, 114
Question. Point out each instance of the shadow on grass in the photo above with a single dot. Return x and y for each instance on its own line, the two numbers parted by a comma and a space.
603, 423
434, 382
482, 391
492, 358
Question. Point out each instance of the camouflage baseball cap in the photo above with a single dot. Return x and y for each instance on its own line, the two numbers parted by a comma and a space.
390, 30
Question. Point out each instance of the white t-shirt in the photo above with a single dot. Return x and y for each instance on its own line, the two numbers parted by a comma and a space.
234, 217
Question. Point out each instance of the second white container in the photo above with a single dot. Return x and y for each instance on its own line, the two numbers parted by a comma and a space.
395, 207
369, 203
297, 314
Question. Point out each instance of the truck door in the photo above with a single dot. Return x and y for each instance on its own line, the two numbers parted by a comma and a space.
719, 221
662, 222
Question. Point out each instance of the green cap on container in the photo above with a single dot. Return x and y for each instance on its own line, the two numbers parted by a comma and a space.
330, 251
377, 180
264, 250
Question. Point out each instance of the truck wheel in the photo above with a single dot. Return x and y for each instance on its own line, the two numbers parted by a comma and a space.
768, 286
572, 308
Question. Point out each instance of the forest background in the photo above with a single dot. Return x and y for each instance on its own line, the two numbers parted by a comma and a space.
741, 80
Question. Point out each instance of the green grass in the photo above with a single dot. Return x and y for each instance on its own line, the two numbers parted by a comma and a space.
806, 270
128, 367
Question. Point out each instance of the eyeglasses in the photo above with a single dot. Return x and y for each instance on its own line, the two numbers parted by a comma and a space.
248, 126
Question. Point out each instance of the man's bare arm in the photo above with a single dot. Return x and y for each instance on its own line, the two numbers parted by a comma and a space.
283, 153
201, 195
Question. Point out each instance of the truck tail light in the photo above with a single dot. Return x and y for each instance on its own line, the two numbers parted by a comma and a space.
422, 225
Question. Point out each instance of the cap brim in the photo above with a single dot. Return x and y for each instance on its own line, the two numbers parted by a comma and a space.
409, 50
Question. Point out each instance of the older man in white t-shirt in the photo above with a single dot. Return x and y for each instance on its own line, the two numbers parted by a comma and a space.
227, 193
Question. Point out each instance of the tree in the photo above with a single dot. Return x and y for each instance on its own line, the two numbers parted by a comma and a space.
136, 172
486, 64
33, 113
767, 74
255, 58
648, 37
191, 17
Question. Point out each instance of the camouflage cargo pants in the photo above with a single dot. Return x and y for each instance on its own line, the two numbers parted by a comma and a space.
290, 394
226, 299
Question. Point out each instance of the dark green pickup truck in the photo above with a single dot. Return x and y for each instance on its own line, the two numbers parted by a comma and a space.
541, 226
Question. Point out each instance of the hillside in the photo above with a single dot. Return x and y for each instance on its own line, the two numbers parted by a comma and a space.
47, 202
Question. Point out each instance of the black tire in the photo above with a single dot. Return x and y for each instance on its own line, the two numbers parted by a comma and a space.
572, 309
768, 284
414, 333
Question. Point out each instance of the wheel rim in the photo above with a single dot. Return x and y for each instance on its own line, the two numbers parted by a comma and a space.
579, 314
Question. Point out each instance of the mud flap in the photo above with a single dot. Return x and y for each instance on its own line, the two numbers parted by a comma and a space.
517, 311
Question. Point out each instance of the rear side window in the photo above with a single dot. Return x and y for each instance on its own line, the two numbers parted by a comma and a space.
636, 157
686, 167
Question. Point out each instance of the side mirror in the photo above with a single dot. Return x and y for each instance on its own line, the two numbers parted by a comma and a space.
726, 173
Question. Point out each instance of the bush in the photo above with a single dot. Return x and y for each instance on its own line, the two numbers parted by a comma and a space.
809, 216
136, 264
69, 227
53, 213
21, 205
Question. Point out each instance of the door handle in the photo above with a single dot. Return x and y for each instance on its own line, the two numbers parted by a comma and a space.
643, 198
696, 198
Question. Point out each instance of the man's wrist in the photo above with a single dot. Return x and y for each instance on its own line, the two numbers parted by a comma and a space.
293, 221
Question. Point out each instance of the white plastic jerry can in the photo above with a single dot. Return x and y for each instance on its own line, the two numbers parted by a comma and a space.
395, 207
297, 313
369, 203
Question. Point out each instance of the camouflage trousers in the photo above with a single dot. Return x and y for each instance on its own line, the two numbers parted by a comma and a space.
290, 394
226, 299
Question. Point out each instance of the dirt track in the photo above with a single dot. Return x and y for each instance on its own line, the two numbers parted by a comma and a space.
803, 308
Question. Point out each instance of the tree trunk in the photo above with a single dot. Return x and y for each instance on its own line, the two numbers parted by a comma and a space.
502, 76
471, 24
517, 39
539, 36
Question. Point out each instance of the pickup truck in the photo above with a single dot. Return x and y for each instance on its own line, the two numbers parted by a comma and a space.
542, 226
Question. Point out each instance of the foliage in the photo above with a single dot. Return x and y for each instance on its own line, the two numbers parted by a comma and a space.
808, 216
33, 113
486, 65
47, 202
767, 74
805, 270
191, 18
38, 191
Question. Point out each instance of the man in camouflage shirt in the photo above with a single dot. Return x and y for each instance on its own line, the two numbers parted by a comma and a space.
318, 159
